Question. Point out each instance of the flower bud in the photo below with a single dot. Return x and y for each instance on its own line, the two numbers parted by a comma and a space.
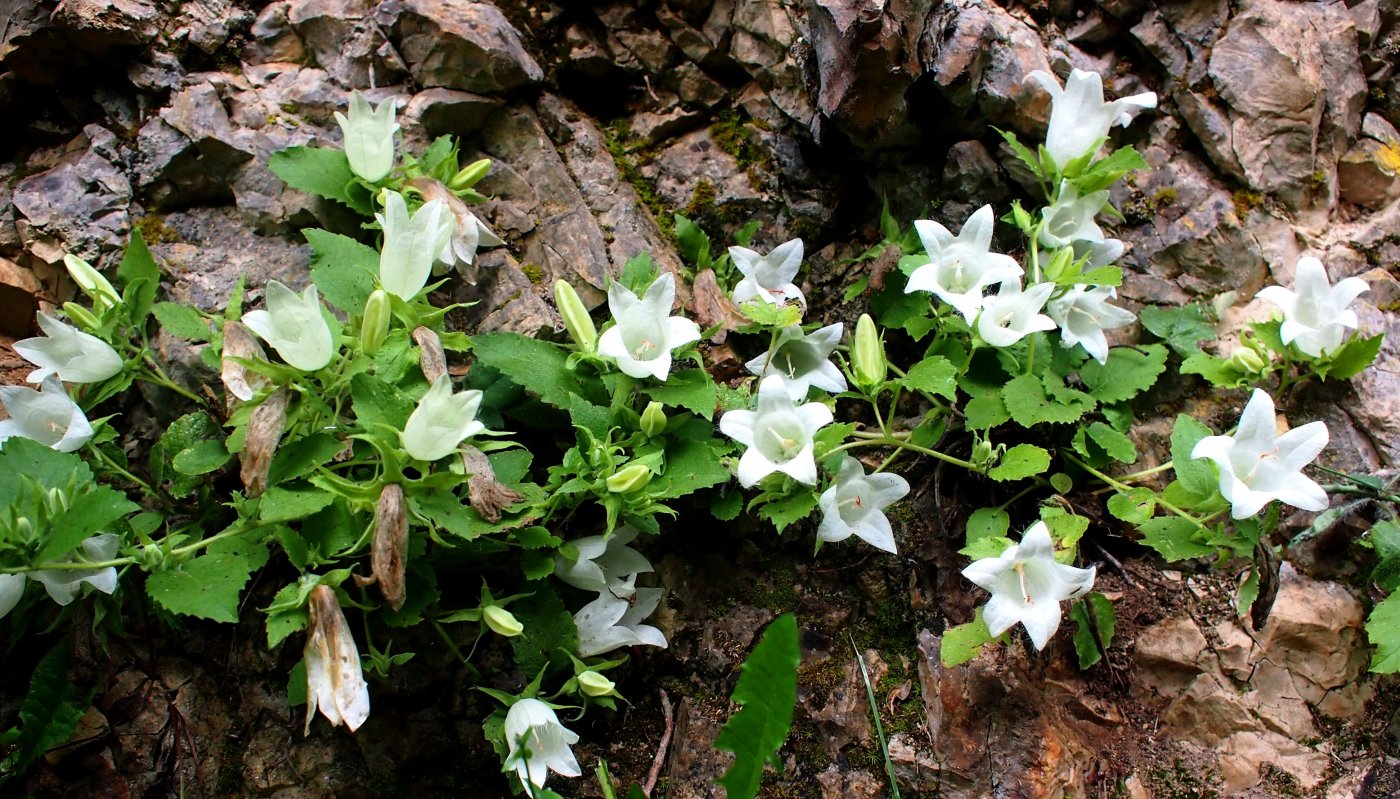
1059, 263
1021, 217
501, 621
469, 175
868, 355
1248, 361
91, 281
629, 479
595, 684
58, 501
375, 324
389, 554
983, 455
653, 419
81, 315
24, 528
576, 318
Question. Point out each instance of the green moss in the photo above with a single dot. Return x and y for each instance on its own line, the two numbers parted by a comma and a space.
702, 200
1179, 782
732, 134
155, 231
533, 272
1142, 209
1246, 201
629, 162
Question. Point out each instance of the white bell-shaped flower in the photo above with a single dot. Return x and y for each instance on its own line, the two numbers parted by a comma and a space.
778, 435
469, 235
1012, 314
48, 416
68, 352
411, 243
605, 563
538, 743
1316, 314
1079, 117
1027, 586
1070, 218
369, 137
803, 360
1083, 314
612, 622
961, 267
295, 326
63, 585
855, 505
442, 421
645, 332
768, 277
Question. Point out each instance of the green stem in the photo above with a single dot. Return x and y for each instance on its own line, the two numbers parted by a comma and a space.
1170, 508
155, 374
1128, 478
899, 440
447, 639
127, 561
119, 469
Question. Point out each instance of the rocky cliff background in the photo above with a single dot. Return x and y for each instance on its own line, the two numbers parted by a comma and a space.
605, 118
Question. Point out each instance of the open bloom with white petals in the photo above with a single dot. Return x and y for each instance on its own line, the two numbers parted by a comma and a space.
803, 360
1258, 465
1315, 313
411, 243
1027, 586
1079, 117
855, 505
645, 333
48, 416
294, 325
1070, 218
369, 137
73, 355
335, 681
768, 277
469, 235
960, 267
1083, 313
63, 585
1012, 314
778, 435
604, 564
442, 421
1099, 253
611, 622
538, 743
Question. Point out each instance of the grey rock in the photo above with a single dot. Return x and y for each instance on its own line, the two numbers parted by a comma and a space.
971, 178
447, 111
508, 299
162, 73
189, 153
694, 44
272, 36
1179, 36
696, 87
79, 205
459, 44
651, 127
1376, 405
696, 170
652, 50
114, 21
207, 24
1362, 180
762, 34
346, 41
213, 250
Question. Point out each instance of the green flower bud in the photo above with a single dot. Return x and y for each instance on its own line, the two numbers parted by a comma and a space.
91, 281
629, 479
24, 528
983, 454
375, 324
81, 315
1021, 217
1059, 263
576, 318
469, 175
653, 419
595, 684
868, 355
1248, 361
502, 621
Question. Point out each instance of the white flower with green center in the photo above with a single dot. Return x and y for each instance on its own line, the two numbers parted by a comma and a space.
442, 421
1258, 465
68, 352
778, 435
63, 585
645, 332
604, 564
1012, 314
412, 244
855, 505
1070, 218
612, 622
803, 360
295, 326
1027, 586
1083, 314
961, 267
369, 137
48, 416
1316, 315
768, 277
1079, 117
538, 743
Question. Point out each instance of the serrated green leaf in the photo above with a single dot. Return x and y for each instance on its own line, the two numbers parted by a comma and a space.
140, 277
1383, 630
1094, 623
89, 513
1019, 462
987, 523
281, 504
549, 628
342, 269
45, 466
934, 375
1352, 358
299, 458
1385, 540
985, 412
1031, 401
830, 437
181, 321
1065, 528
202, 457
693, 243
1174, 538
537, 366
1196, 476
989, 547
789, 510
1219, 372
691, 389
1134, 506
378, 403
1182, 328
1128, 372
690, 466
766, 694
964, 641
770, 314
1118, 446
324, 172
49, 713
208, 586
726, 505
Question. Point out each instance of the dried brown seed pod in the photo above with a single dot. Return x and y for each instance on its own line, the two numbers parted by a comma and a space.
389, 554
264, 433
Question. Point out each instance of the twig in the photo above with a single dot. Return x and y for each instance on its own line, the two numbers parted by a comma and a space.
1127, 578
655, 773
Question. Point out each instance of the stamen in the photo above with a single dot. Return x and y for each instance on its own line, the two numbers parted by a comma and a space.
644, 346
1021, 572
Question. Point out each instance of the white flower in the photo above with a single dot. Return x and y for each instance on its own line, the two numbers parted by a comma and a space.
1011, 314
604, 563
1315, 313
48, 416
538, 743
1099, 253
778, 435
441, 421
768, 277
411, 243
294, 325
802, 360
369, 137
1079, 117
63, 585
1027, 585
1257, 464
469, 234
645, 333
335, 682
1070, 218
961, 266
610, 622
73, 355
1083, 313
854, 505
